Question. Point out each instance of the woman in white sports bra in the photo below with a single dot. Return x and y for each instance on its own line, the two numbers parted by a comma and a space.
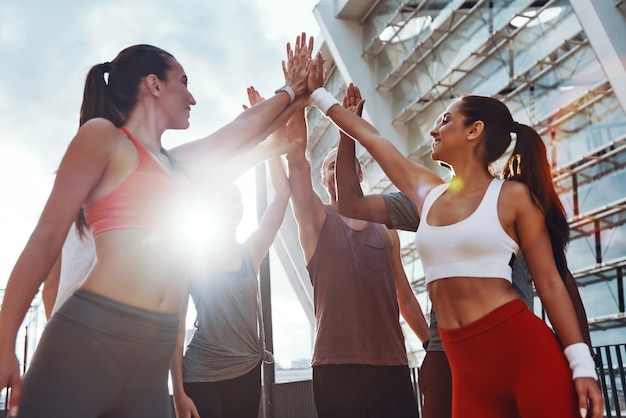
107, 350
505, 361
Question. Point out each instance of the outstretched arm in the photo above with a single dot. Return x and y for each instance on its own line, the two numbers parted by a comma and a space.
412, 179
82, 167
537, 248
410, 308
262, 238
254, 123
275, 144
307, 206
351, 201
579, 308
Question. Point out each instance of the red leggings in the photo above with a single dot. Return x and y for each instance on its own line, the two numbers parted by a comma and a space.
509, 364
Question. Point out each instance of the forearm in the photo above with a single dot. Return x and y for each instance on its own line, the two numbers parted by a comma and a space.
349, 190
176, 371
275, 211
412, 179
258, 121
560, 311
278, 177
239, 136
411, 311
300, 180
243, 162
297, 105
352, 125
24, 282
579, 308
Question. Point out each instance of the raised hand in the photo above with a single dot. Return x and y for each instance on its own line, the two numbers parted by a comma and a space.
254, 97
296, 69
353, 100
10, 378
280, 141
317, 74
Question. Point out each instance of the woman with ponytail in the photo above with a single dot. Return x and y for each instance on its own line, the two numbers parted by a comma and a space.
505, 361
106, 352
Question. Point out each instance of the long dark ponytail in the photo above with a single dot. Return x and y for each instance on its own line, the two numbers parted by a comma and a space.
111, 90
528, 164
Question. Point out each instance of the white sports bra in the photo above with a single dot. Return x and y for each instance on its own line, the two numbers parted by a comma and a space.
477, 246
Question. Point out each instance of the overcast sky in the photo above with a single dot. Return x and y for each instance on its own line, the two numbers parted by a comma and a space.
47, 47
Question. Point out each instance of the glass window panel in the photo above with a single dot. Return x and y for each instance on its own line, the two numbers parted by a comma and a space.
581, 252
613, 240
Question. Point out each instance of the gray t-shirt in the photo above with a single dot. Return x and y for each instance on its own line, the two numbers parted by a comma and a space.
227, 342
403, 215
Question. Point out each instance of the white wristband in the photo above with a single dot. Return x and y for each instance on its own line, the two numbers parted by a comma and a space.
323, 99
287, 89
580, 361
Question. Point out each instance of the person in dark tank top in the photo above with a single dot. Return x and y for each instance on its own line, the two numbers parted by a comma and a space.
360, 365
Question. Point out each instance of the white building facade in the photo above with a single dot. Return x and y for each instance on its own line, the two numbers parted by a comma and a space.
560, 66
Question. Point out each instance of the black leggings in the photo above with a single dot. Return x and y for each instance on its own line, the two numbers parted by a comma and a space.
101, 358
359, 390
233, 398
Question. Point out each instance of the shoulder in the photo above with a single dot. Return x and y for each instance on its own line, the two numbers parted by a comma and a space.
394, 239
393, 234
99, 135
515, 188
516, 192
98, 126
516, 199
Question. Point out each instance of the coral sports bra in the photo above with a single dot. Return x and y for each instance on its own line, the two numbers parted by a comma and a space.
144, 199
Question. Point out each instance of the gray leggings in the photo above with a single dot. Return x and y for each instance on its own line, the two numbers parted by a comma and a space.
99, 358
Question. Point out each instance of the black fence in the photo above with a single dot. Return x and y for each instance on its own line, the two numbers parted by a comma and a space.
296, 398
610, 365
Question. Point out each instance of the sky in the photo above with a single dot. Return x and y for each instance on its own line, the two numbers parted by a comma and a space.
47, 47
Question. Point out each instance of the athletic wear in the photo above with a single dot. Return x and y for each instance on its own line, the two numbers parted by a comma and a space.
77, 257
232, 398
145, 199
403, 215
360, 367
435, 378
402, 212
356, 305
226, 342
99, 358
360, 391
435, 383
222, 363
477, 246
509, 364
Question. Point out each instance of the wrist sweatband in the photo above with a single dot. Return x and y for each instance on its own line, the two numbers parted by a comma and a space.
287, 89
323, 99
580, 361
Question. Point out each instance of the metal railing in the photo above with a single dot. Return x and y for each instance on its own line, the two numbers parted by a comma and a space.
296, 398
610, 366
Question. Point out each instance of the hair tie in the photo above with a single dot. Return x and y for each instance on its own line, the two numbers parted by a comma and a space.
515, 127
